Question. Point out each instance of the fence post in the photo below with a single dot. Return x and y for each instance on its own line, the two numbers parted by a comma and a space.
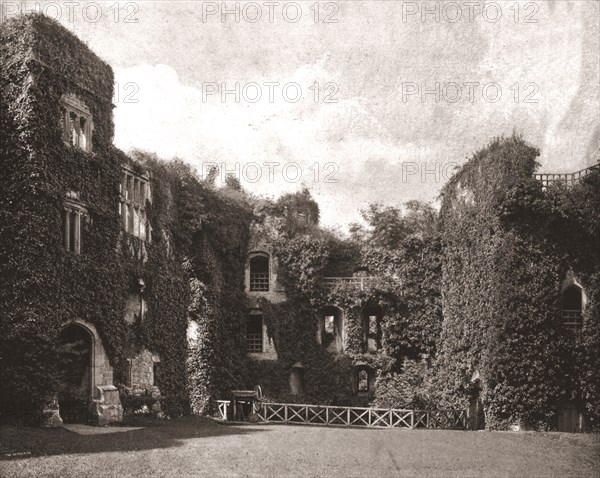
285, 413
348, 416
412, 419
307, 413
369, 417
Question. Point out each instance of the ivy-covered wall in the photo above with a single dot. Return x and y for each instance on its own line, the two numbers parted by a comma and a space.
507, 247
405, 296
467, 300
44, 286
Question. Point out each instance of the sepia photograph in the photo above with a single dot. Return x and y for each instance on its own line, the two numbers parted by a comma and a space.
311, 238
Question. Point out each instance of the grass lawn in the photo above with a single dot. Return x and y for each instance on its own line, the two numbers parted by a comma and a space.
200, 447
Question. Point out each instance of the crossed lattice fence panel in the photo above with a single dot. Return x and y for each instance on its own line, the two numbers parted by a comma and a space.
275, 412
297, 413
317, 415
354, 416
381, 418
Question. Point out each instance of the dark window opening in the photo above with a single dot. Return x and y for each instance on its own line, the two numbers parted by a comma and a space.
259, 274
254, 334
571, 307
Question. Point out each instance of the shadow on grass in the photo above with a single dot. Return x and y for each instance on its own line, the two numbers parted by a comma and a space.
22, 442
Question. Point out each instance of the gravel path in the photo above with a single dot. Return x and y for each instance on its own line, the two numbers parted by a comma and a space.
197, 447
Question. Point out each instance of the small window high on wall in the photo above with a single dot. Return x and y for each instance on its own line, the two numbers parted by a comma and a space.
571, 307
76, 122
259, 273
135, 191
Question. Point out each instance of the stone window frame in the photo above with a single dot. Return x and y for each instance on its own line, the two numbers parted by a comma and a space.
134, 191
337, 343
256, 279
73, 135
74, 213
371, 320
368, 370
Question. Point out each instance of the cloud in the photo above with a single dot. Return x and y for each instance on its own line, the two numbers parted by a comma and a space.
365, 145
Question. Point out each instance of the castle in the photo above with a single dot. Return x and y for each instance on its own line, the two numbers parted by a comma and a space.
162, 303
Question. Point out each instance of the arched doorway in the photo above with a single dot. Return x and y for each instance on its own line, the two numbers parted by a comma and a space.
76, 394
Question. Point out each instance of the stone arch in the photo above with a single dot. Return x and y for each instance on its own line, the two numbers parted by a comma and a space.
259, 271
297, 379
573, 301
105, 404
100, 370
571, 280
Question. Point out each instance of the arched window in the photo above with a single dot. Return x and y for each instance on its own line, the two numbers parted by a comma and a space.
297, 379
259, 273
571, 307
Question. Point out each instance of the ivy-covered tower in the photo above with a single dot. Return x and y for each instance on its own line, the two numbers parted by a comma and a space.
76, 256
521, 291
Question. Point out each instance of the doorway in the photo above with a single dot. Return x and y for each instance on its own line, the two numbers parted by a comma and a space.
75, 397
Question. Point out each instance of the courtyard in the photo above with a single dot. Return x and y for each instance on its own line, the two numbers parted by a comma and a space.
201, 447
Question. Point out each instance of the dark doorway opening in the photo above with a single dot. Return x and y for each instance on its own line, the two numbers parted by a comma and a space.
75, 397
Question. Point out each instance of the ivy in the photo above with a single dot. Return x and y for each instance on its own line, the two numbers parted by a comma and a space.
507, 246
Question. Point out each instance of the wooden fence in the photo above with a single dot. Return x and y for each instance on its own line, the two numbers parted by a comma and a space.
353, 416
568, 180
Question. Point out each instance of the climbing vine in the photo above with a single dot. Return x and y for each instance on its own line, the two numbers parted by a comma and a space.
507, 246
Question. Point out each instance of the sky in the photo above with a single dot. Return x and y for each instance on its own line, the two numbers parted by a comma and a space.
360, 101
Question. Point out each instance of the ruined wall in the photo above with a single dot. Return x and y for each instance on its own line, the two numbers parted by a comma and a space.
507, 247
